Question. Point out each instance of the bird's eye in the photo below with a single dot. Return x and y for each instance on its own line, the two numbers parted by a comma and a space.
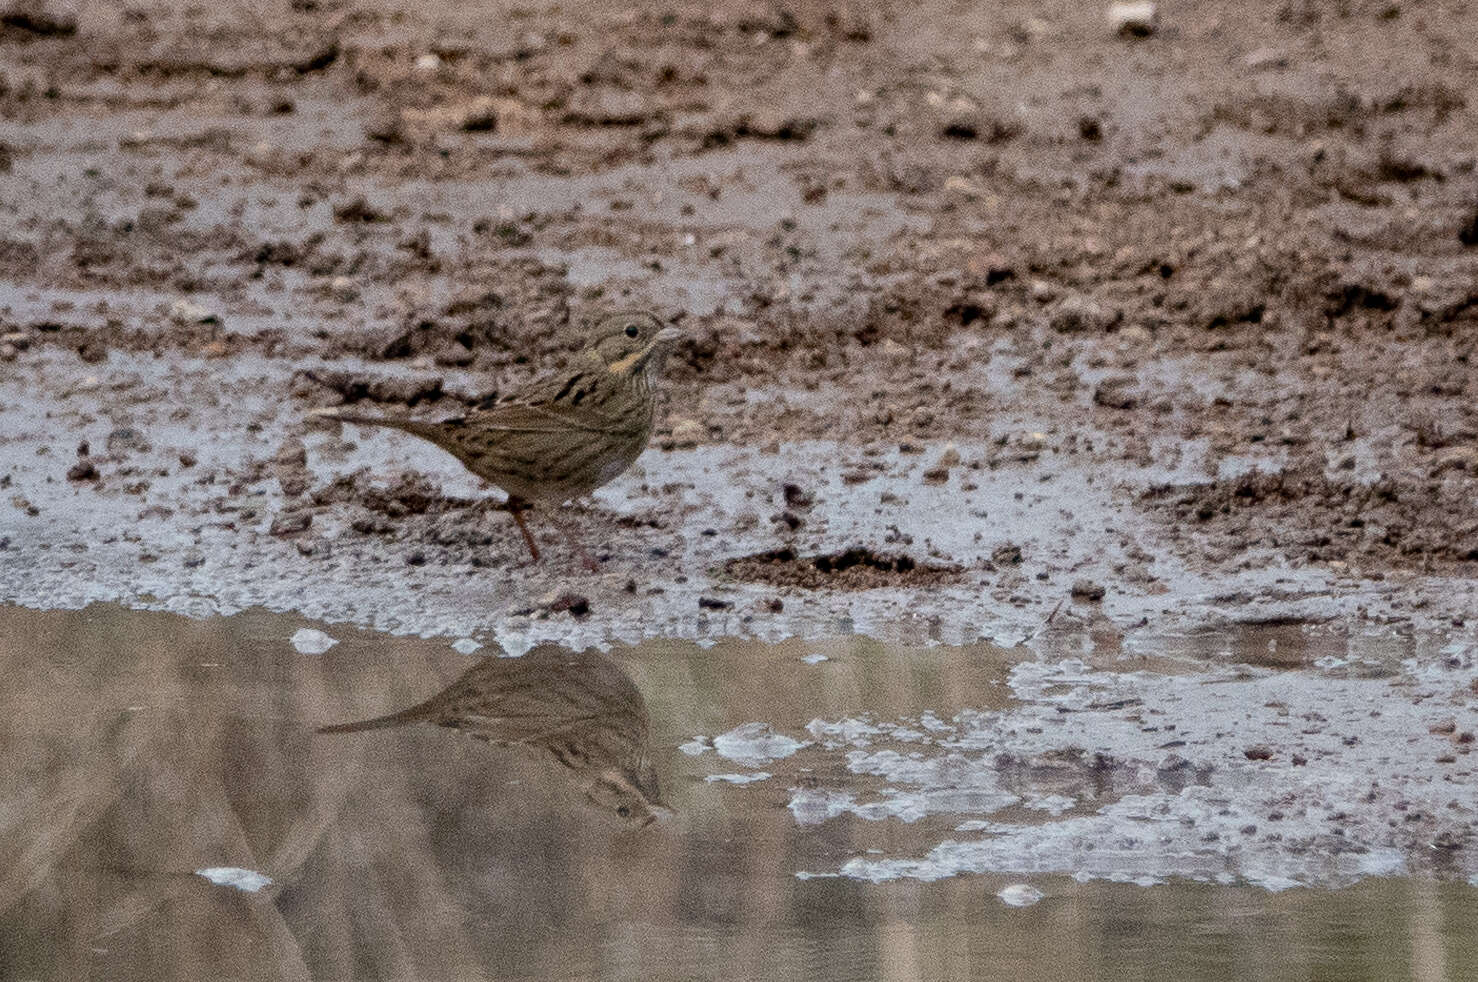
632, 330
625, 810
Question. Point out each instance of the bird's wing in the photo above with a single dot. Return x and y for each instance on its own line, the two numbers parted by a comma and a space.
531, 730
524, 417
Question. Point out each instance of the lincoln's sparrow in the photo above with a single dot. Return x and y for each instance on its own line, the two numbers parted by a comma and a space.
581, 708
563, 435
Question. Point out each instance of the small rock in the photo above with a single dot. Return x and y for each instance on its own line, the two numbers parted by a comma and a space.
1456, 458
949, 458
959, 184
186, 311
428, 63
936, 475
19, 340
713, 603
315, 548
292, 453
36, 18
1139, 18
797, 497
387, 127
1078, 314
83, 470
1088, 590
358, 209
1468, 234
577, 605
1262, 59
8, 352
479, 116
1006, 555
1259, 751
972, 124
687, 433
1116, 392
291, 523
343, 289
188, 458
126, 439
1446, 725
608, 107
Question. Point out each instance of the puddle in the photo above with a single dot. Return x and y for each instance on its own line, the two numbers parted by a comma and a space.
734, 809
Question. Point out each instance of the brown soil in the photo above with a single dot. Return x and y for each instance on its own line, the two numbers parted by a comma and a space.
854, 569
1246, 239
1420, 523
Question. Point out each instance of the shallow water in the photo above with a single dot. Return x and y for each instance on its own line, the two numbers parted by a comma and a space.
141, 748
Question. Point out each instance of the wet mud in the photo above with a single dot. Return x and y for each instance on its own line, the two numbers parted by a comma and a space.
1172, 318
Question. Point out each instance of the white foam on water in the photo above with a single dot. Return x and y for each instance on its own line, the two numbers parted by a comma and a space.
752, 744
1020, 895
311, 641
737, 778
245, 880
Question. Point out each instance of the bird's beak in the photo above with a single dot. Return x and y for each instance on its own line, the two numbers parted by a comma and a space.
668, 334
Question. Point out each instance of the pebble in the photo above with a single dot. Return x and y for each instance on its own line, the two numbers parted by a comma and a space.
894, 350
1116, 392
429, 62
291, 523
1265, 58
1456, 458
343, 288
687, 433
1078, 313
186, 311
1088, 590
1139, 18
949, 458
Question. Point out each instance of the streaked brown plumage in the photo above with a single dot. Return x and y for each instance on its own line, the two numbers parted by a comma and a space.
580, 708
565, 434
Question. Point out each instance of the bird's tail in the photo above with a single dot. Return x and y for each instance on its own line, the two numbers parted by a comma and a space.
346, 416
378, 723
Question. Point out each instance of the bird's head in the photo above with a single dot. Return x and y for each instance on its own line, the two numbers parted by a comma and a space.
632, 341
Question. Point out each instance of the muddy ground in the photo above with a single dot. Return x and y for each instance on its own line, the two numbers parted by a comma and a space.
998, 324
1194, 310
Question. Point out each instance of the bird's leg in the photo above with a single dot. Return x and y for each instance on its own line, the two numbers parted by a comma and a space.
586, 559
516, 507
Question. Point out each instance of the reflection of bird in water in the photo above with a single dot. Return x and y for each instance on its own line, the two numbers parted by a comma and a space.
579, 707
